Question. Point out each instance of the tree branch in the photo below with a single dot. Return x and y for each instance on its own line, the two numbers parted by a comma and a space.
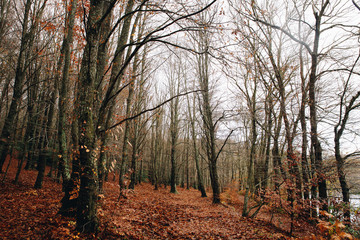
357, 6
222, 147
149, 110
285, 32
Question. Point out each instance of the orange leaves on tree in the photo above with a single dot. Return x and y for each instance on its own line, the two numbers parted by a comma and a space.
48, 26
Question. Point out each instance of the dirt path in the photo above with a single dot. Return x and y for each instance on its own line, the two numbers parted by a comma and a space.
149, 214
26, 213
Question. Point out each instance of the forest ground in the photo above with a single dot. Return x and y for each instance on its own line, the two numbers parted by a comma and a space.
26, 213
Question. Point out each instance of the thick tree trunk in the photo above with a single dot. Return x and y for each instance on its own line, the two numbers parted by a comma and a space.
67, 204
69, 201
209, 127
100, 73
312, 106
4, 94
105, 112
86, 219
215, 182
41, 171
211, 152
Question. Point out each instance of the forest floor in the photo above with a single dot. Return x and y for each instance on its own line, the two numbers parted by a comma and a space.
26, 213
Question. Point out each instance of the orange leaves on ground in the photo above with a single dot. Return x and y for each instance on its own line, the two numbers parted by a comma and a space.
231, 195
326, 214
144, 214
149, 214
325, 227
26, 213
333, 231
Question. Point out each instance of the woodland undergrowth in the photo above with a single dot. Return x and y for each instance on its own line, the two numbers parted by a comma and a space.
26, 213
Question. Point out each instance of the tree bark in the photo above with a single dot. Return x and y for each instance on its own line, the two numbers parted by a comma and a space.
250, 169
195, 147
8, 127
86, 219
174, 130
68, 202
312, 106
340, 161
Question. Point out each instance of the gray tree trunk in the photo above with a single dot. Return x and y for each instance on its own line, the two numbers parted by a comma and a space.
86, 219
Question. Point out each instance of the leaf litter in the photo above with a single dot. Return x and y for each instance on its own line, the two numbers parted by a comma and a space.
26, 213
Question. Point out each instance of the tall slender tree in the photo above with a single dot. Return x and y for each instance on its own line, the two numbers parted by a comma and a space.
27, 40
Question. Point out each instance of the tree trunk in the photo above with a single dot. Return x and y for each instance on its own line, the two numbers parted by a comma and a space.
278, 168
342, 178
134, 142
194, 143
8, 127
207, 116
100, 74
67, 204
41, 158
312, 106
304, 161
250, 172
86, 219
268, 110
340, 161
105, 113
174, 131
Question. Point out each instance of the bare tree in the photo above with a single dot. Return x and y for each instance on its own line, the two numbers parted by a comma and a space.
29, 28
192, 117
64, 156
346, 107
319, 11
174, 89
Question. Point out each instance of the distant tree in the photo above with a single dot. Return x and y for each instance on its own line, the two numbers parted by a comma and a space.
346, 107
140, 126
207, 113
30, 24
192, 120
319, 11
156, 149
7, 42
5, 14
174, 89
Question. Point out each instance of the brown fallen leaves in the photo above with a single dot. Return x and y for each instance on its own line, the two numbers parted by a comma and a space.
334, 231
149, 214
26, 213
